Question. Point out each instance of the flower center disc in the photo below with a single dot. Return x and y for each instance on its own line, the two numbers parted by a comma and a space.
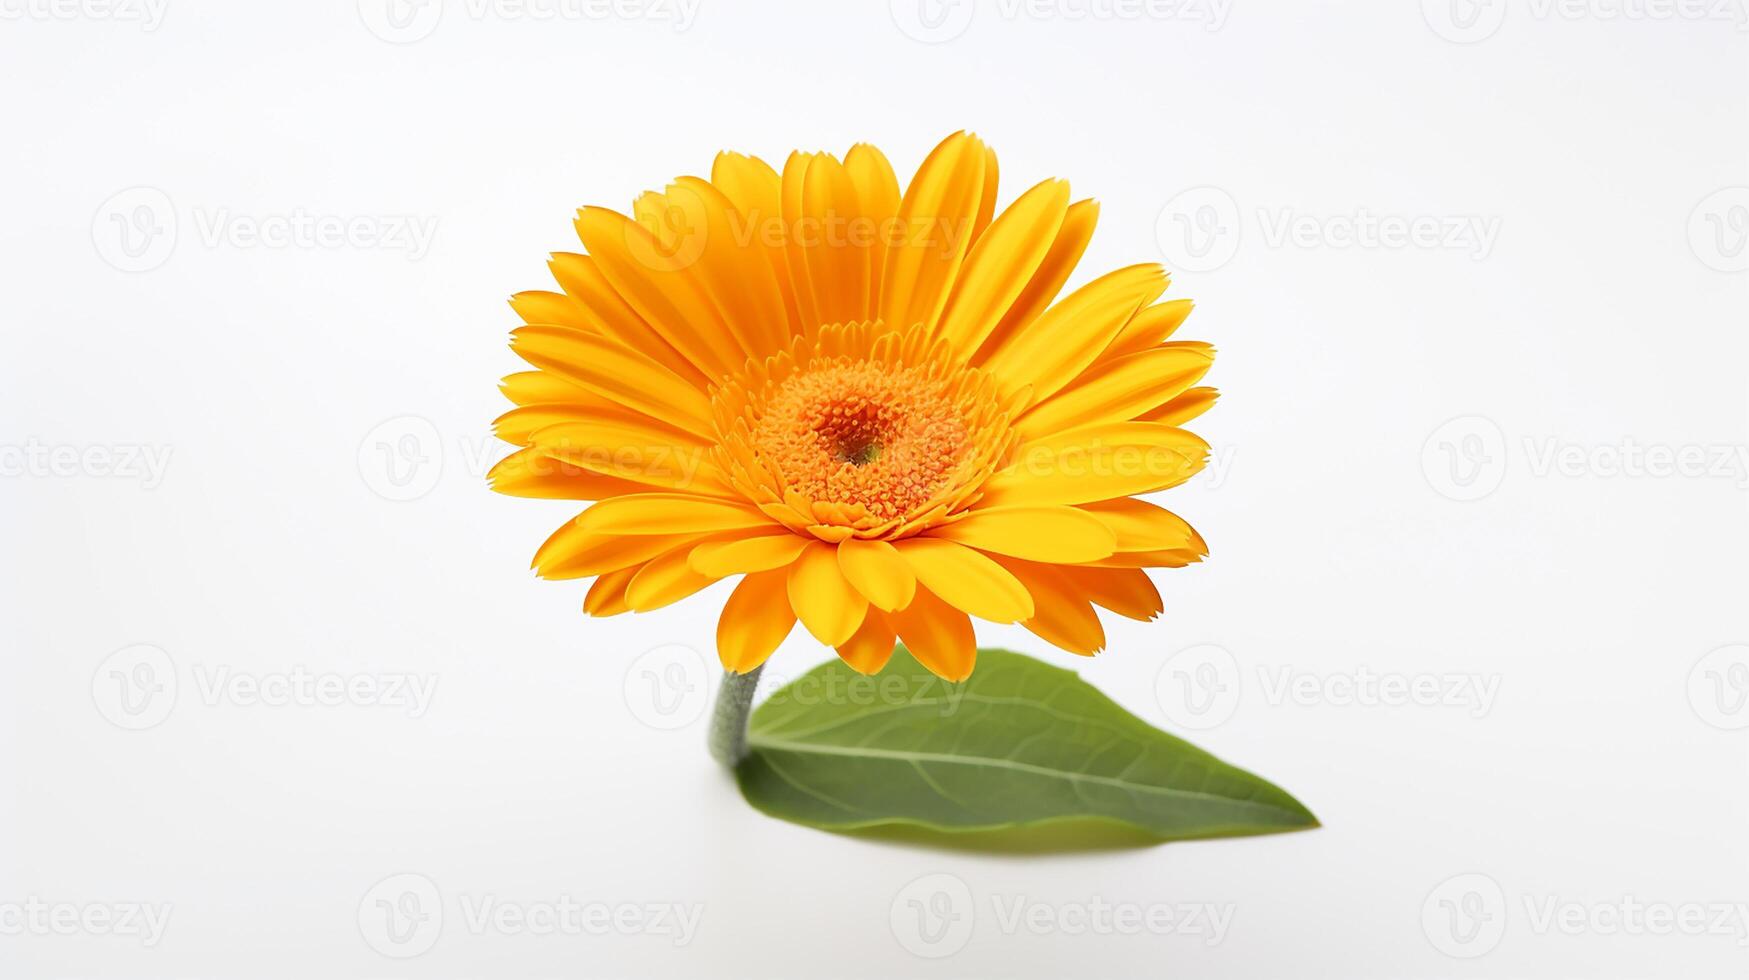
885, 438
859, 430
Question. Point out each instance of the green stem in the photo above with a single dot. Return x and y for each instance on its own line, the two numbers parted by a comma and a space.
728, 736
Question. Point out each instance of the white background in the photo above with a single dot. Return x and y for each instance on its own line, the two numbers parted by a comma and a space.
303, 390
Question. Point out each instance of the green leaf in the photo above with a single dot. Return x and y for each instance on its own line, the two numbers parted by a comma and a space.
1021, 745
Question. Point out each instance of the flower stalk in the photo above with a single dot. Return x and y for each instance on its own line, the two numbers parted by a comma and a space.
728, 734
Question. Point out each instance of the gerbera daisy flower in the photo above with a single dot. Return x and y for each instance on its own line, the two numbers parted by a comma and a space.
870, 407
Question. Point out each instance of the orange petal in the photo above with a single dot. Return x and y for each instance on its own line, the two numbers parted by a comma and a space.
1063, 616
834, 237
1051, 534
1183, 408
671, 513
541, 306
755, 554
1149, 327
1002, 264
607, 596
1048, 279
542, 388
755, 619
1099, 462
938, 635
878, 572
1070, 335
1125, 591
824, 600
582, 280
872, 645
665, 580
654, 276
936, 221
616, 372
966, 579
1118, 390
877, 192
1141, 526
530, 473
756, 192
573, 552
619, 443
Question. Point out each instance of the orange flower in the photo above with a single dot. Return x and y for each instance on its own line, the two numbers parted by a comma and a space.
870, 407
